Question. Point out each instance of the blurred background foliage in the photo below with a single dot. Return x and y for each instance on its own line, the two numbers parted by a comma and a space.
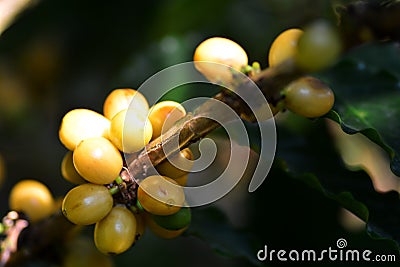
60, 55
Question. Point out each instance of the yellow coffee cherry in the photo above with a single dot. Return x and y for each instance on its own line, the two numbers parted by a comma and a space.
284, 46
223, 51
160, 195
124, 98
116, 232
160, 231
163, 115
68, 170
308, 97
87, 204
97, 160
318, 47
130, 130
32, 198
183, 158
80, 124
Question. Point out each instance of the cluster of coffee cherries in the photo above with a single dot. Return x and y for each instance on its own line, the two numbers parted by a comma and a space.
312, 49
34, 202
97, 144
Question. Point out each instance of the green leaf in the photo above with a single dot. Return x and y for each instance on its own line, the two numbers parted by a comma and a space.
347, 200
309, 156
367, 90
296, 211
344, 199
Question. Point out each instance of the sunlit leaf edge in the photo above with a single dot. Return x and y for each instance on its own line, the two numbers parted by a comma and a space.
371, 134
